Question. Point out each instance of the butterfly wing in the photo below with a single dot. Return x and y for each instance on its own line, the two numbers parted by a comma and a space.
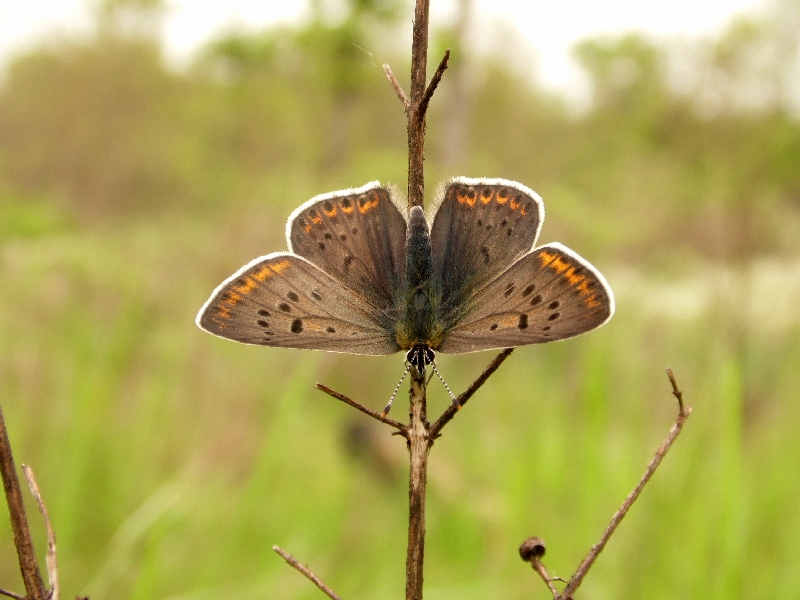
284, 300
549, 294
358, 238
481, 227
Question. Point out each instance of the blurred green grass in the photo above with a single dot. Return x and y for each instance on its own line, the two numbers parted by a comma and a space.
172, 461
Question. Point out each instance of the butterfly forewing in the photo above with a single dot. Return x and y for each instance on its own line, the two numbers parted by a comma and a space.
550, 294
479, 230
358, 238
283, 300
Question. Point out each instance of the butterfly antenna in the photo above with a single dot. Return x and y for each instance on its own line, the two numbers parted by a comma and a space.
399, 383
456, 403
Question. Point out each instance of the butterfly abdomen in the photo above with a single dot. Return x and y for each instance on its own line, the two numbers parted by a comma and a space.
418, 322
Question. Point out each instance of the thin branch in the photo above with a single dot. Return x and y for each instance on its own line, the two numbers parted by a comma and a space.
532, 550
676, 392
31, 577
304, 570
437, 77
416, 119
419, 444
587, 563
397, 87
403, 429
450, 412
52, 563
11, 594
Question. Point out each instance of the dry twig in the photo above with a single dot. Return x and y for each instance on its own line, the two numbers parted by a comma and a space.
31, 577
52, 564
576, 580
401, 428
304, 570
397, 87
451, 410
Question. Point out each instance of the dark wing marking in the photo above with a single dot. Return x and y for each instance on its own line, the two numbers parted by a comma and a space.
358, 238
480, 229
284, 300
550, 294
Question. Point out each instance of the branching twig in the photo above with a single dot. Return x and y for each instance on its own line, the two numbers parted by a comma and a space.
437, 77
583, 569
31, 577
52, 564
416, 118
451, 410
304, 570
419, 444
532, 550
403, 429
11, 594
397, 87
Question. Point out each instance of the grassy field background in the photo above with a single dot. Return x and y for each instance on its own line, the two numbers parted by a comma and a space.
172, 461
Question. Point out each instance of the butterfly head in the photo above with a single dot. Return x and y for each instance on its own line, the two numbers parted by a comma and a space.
419, 357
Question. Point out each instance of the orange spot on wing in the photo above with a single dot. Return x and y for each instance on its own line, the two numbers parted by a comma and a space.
465, 199
583, 288
281, 266
546, 257
267, 270
232, 299
262, 273
330, 213
522, 212
592, 302
486, 196
559, 265
346, 209
249, 286
502, 199
509, 321
514, 204
367, 206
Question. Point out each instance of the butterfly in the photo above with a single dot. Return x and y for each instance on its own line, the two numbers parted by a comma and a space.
361, 277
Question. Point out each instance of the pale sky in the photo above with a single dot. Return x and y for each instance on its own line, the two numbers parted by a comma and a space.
549, 28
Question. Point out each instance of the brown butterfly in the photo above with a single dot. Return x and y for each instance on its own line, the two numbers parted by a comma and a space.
363, 277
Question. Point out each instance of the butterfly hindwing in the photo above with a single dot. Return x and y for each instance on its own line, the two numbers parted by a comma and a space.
481, 227
283, 300
549, 294
358, 238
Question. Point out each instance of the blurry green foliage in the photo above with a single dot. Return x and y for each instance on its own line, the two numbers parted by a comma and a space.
171, 461
105, 128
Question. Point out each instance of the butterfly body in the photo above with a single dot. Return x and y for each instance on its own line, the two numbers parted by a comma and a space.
361, 278
420, 323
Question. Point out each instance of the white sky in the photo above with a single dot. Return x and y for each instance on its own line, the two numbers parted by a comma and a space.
549, 27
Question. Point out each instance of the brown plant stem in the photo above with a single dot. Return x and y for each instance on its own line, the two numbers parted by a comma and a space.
583, 569
434, 83
419, 444
31, 577
416, 110
397, 88
401, 428
51, 561
304, 570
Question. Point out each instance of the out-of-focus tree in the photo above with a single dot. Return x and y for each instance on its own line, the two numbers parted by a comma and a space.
95, 123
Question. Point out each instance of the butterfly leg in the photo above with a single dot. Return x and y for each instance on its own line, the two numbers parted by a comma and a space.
456, 403
399, 383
